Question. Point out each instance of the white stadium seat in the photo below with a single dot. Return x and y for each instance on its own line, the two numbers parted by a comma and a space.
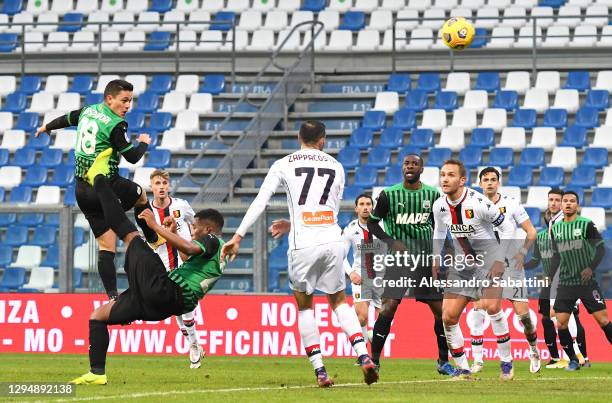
557, 36
173, 140
188, 121
86, 6
47, 22
57, 42
48, 195
411, 14
595, 15
606, 180
603, 137
569, 15
136, 6
82, 41
41, 279
453, 138
537, 196
340, 5
536, 98
514, 17
365, 5
237, 6
431, 176
511, 191
34, 41
13, 140
53, 114
213, 6
525, 37
22, 18
330, 19
435, 18
276, 20
340, 41
465, 119
476, 99
123, 21
123, 163
544, 137
368, 40
302, 16
487, 17
8, 84
82, 256
241, 43
262, 41
139, 81
494, 118
142, 177
604, 81
567, 99
517, 81
68, 101
172, 15
460, 12
188, 40
110, 41
420, 5
197, 20
6, 121
187, 84
421, 38
458, 82
393, 5
174, 102
64, 140
564, 157
250, 20
434, 119
37, 7
606, 37
210, 41
10, 177
263, 5
584, 36
288, 5
595, 214
293, 43
381, 20
41, 102
133, 41
501, 38
387, 102
544, 14
187, 5
608, 121
28, 257
148, 21
472, 4
400, 43
513, 137
97, 17
61, 7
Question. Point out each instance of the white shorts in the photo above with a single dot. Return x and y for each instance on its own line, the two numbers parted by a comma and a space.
518, 294
373, 297
318, 267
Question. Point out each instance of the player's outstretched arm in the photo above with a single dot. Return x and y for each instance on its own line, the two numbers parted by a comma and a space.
122, 144
69, 119
172, 238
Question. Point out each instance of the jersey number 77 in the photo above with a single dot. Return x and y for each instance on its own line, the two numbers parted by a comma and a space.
310, 171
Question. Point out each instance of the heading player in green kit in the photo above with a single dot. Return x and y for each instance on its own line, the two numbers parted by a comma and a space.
101, 140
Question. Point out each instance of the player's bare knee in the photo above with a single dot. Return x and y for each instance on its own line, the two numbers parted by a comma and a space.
107, 241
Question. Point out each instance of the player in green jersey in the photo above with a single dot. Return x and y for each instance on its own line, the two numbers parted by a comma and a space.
406, 210
579, 250
153, 294
101, 140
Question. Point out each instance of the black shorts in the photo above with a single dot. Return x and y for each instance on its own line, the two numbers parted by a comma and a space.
544, 303
127, 192
410, 281
151, 295
590, 295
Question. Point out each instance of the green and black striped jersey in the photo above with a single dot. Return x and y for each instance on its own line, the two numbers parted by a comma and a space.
575, 241
543, 252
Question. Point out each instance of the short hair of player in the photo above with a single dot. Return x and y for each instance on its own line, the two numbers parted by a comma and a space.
571, 192
462, 170
488, 170
160, 172
366, 195
555, 192
414, 155
116, 86
213, 216
312, 131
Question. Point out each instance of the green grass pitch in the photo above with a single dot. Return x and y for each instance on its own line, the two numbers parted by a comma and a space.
267, 379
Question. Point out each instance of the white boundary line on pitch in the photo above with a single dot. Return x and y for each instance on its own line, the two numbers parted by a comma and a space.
278, 388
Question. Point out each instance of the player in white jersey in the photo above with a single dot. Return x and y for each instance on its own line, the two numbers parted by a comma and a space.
313, 181
168, 209
478, 258
517, 250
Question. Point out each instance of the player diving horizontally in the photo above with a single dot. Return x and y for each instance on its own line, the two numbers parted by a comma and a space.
153, 293
314, 182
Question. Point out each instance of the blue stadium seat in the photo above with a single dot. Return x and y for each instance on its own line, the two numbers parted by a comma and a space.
366, 176
161, 6
13, 277
160, 121
482, 137
506, 99
51, 157
72, 22
1, 194
223, 21
353, 21
292, 144
487, 81
392, 137
429, 82
16, 235
407, 150
313, 5
583, 176
21, 194
598, 99
556, 118
437, 156
587, 117
446, 100
70, 158
69, 196
471, 156
532, 157
135, 120
158, 159
38, 143
24, 157
157, 41
578, 80
30, 84
551, 3
7, 219
160, 83
551, 176
15, 102
52, 257
520, 176
404, 119
78, 236
350, 193
63, 176
502, 157
35, 176
147, 102
77, 278
11, 7
374, 120
361, 138
379, 157
399, 82
27, 121
44, 236
574, 136
601, 197
422, 138
277, 259
213, 84
4, 157
52, 219
595, 157
82, 83
393, 175
6, 255
349, 157
480, 38
8, 42
526, 118
416, 100
94, 98
535, 215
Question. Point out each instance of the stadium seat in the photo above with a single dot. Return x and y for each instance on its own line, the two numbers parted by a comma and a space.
535, 216
4, 158
391, 137
502, 157
31, 219
603, 138
13, 277
598, 99
494, 119
16, 235
69, 196
213, 84
223, 21
578, 80
21, 194
446, 100
536, 98
416, 100
71, 22
160, 121
313, 5
452, 137
8, 84
349, 157
374, 120
350, 193
556, 118
407, 150
602, 197
48, 195
135, 120
564, 157
465, 119
399, 83
68, 101
63, 175
520, 176
525, 118
10, 177
6, 121
437, 156
537, 196
544, 137
379, 157
160, 6
517, 81
174, 102
187, 84
8, 42
15, 102
147, 102
434, 119
200, 103
27, 121
353, 21
603, 81
587, 117
583, 176
429, 82
595, 214
422, 138
35, 176
387, 102
551, 176
41, 279
187, 121
507, 100
458, 82
532, 157
476, 99
483, 138
574, 136
404, 119
471, 156
487, 81
6, 255
585, 36
158, 159
513, 137
13, 140
365, 176
94, 98
24, 157
502, 37
160, 84
142, 177
393, 175
157, 41
44, 237
567, 99
431, 176
65, 140
606, 180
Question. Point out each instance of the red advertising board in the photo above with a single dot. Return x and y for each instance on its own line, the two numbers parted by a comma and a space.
238, 325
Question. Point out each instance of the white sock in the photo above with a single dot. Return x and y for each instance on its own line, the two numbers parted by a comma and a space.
502, 332
573, 329
454, 339
187, 326
364, 331
350, 326
310, 337
477, 331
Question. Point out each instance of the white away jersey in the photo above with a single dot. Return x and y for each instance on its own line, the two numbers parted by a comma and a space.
183, 215
353, 235
314, 182
516, 214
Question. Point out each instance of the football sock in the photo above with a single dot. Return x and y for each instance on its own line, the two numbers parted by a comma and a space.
364, 331
441, 339
381, 330
188, 329
572, 326
608, 331
530, 331
98, 344
113, 212
454, 339
150, 235
107, 271
477, 331
550, 337
310, 337
580, 336
567, 343
502, 332
350, 326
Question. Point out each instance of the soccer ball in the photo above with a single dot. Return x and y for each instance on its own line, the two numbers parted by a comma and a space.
457, 33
